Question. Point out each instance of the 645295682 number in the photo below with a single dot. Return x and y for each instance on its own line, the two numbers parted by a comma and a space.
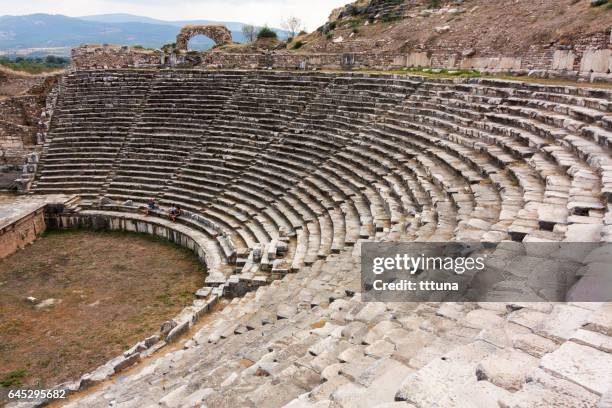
36, 394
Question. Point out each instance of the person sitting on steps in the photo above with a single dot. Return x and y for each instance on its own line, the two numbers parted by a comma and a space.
151, 206
174, 212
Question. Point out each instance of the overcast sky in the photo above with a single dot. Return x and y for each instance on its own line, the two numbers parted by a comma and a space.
313, 12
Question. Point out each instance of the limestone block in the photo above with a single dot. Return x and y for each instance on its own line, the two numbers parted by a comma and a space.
509, 64
197, 397
371, 311
563, 322
440, 376
528, 318
376, 385
533, 344
583, 233
418, 59
606, 400
601, 320
482, 318
379, 331
502, 336
545, 390
399, 61
582, 365
596, 61
174, 398
506, 368
563, 60
593, 339
285, 311
380, 349
474, 394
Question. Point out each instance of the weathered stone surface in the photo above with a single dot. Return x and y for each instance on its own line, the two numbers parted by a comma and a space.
286, 311
380, 349
601, 320
174, 398
427, 385
582, 365
528, 318
507, 369
474, 394
563, 322
371, 311
533, 344
545, 390
378, 385
593, 339
481, 318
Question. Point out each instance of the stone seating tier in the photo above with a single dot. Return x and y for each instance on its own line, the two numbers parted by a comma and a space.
320, 163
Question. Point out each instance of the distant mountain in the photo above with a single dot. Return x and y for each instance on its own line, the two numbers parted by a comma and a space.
36, 31
122, 18
131, 18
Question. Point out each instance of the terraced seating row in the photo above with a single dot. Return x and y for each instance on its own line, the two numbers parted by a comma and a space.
330, 159
558, 168
316, 164
93, 117
176, 115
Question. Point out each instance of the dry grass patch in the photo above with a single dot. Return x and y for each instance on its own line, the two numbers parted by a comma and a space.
110, 289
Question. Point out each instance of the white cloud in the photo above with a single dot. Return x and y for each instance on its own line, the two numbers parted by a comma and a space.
313, 12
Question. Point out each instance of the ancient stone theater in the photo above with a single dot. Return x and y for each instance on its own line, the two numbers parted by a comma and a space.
285, 162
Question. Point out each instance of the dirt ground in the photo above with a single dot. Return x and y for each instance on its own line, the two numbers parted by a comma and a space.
110, 289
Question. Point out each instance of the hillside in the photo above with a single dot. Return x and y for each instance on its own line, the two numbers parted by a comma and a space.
471, 25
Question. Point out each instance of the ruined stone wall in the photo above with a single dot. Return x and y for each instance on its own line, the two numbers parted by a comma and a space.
589, 58
95, 57
11, 84
19, 124
22, 232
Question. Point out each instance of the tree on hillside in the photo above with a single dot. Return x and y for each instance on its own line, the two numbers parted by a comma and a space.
250, 32
293, 25
266, 32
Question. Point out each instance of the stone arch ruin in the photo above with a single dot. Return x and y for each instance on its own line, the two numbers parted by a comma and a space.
218, 33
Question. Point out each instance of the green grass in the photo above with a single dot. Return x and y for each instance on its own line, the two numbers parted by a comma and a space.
35, 65
13, 379
430, 72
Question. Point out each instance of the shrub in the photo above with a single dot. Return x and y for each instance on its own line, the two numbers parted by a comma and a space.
35, 65
297, 44
266, 32
13, 379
